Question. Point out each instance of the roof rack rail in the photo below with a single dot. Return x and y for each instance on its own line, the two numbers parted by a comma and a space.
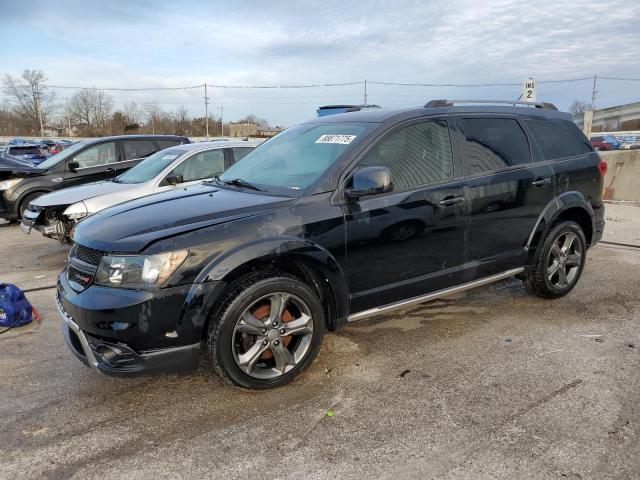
450, 103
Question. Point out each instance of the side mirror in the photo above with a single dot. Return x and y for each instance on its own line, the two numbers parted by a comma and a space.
173, 179
370, 181
73, 166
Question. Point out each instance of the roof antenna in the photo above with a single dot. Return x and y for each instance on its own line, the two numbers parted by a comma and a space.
517, 100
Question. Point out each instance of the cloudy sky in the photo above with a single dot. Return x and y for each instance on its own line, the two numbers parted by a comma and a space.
155, 44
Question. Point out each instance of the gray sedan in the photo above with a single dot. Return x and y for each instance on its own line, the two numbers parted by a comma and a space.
55, 214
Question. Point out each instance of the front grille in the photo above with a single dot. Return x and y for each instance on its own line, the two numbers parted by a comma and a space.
87, 255
78, 277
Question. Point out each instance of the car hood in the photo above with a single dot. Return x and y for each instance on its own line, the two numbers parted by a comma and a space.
72, 195
131, 226
15, 168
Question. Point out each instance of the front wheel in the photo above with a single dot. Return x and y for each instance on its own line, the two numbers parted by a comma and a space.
267, 330
559, 262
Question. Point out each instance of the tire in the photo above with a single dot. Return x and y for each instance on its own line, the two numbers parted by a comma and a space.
24, 203
558, 263
237, 347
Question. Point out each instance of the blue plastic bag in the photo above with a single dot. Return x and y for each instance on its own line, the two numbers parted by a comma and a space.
15, 310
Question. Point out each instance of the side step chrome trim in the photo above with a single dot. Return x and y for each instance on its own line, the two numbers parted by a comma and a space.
433, 295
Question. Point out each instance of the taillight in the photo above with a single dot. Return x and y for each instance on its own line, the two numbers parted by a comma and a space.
602, 166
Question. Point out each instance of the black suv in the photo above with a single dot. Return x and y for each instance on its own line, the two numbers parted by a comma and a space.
82, 162
338, 219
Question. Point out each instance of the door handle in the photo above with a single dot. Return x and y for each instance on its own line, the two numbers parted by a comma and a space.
451, 200
540, 182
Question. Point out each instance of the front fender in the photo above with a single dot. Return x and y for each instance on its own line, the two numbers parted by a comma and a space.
551, 212
212, 279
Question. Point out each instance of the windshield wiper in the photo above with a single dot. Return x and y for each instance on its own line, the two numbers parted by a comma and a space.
239, 183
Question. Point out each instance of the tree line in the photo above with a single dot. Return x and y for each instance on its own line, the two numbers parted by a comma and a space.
31, 109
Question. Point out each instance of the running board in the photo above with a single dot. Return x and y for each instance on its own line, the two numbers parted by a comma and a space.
434, 295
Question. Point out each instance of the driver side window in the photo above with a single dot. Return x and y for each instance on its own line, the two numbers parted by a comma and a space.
97, 155
201, 166
417, 155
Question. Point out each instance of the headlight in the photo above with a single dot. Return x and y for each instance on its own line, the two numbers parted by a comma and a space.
138, 271
76, 211
7, 184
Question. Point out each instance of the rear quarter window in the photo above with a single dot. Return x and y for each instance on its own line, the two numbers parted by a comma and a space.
558, 138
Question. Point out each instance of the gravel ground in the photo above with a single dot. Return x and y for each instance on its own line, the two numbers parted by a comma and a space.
491, 384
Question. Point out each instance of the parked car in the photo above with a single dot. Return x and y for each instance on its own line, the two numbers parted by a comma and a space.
258, 263
629, 145
83, 162
55, 214
599, 143
20, 154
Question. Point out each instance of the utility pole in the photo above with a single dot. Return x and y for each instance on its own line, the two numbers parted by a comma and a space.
221, 122
206, 111
365, 91
588, 114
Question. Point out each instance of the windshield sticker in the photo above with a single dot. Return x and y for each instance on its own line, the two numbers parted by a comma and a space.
340, 139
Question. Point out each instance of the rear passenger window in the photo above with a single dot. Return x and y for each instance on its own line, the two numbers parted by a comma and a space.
138, 149
416, 155
558, 138
493, 144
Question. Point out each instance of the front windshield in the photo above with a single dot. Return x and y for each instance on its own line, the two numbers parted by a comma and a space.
63, 155
150, 166
294, 159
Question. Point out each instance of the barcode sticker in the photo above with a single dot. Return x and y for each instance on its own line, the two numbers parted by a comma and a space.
340, 139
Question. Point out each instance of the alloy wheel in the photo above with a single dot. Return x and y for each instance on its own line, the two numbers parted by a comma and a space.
272, 335
565, 260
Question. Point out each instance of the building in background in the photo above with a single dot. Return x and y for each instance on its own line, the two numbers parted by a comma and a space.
611, 119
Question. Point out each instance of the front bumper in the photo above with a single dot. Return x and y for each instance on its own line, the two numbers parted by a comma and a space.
120, 360
129, 333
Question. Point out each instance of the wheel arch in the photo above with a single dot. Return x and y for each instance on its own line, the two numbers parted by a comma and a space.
23, 196
572, 206
305, 260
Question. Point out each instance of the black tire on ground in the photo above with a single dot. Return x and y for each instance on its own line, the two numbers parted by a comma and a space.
546, 279
240, 295
24, 203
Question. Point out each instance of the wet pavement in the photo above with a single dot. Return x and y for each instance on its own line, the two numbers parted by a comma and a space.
493, 383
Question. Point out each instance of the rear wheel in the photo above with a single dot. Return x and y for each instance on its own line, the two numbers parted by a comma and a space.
559, 262
267, 330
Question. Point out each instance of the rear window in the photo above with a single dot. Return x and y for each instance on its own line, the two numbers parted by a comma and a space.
558, 138
169, 143
138, 149
493, 144
24, 151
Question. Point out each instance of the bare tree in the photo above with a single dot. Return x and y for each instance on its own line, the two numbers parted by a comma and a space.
91, 110
154, 114
32, 101
131, 113
578, 107
181, 121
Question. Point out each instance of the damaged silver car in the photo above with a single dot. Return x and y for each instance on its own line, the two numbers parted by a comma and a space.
56, 214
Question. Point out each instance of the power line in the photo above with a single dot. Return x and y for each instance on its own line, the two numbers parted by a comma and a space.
342, 84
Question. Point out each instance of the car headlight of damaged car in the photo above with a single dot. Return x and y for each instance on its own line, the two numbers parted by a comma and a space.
7, 184
138, 271
76, 211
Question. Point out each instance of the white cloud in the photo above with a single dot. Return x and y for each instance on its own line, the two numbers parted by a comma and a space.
461, 41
